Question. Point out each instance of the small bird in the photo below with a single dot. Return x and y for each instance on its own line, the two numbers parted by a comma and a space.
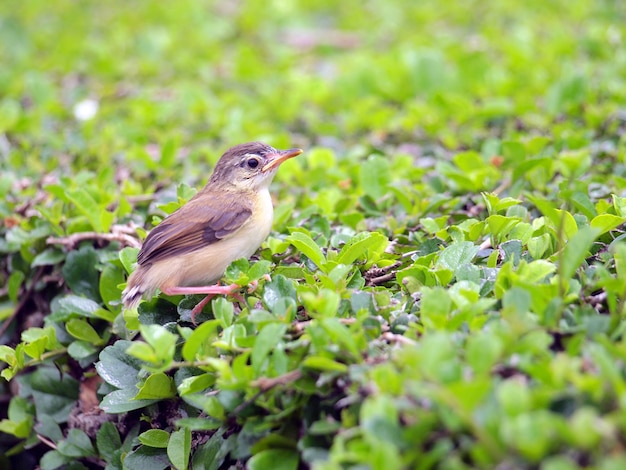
228, 219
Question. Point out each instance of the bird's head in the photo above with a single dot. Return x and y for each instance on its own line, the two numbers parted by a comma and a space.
250, 166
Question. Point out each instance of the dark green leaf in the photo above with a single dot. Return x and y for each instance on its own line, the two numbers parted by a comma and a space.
81, 274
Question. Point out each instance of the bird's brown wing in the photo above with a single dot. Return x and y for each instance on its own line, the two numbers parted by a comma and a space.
200, 222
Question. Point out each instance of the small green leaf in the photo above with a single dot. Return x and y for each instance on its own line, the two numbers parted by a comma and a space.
81, 274
99, 217
199, 342
48, 257
128, 257
179, 448
308, 247
278, 288
156, 387
606, 222
358, 245
108, 440
324, 364
110, 278
123, 401
81, 350
456, 255
267, 339
576, 250
117, 367
223, 311
375, 176
154, 438
82, 330
14, 283
259, 269
276, 459
77, 444
146, 458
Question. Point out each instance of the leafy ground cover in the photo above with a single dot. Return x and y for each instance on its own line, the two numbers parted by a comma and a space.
447, 269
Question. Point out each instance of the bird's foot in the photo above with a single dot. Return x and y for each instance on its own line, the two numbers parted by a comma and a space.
210, 291
254, 284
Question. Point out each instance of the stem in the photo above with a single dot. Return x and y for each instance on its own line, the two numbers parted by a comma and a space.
44, 356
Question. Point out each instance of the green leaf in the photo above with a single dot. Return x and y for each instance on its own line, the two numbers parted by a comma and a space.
123, 401
224, 311
73, 305
179, 448
146, 458
157, 386
53, 460
53, 394
576, 250
375, 176
162, 341
82, 330
108, 440
81, 274
110, 278
118, 368
81, 350
308, 247
128, 257
48, 257
199, 342
279, 287
100, 218
324, 364
76, 445
155, 438
259, 269
457, 254
358, 246
14, 284
266, 340
276, 459
21, 414
606, 222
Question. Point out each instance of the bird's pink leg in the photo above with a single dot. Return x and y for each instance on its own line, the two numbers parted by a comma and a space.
211, 292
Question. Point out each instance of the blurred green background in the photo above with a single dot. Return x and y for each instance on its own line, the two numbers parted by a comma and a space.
207, 75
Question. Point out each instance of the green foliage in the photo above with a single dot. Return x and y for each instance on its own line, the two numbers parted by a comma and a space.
445, 283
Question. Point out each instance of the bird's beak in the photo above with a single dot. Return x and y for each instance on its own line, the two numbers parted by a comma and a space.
275, 159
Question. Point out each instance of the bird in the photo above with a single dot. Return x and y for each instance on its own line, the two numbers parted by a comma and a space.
189, 251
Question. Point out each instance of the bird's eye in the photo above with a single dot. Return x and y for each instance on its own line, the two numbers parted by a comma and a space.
252, 162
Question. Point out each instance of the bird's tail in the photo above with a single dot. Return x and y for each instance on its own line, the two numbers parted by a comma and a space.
131, 296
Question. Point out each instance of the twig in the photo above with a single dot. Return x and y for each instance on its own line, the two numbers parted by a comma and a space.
484, 245
381, 279
47, 441
265, 383
119, 233
392, 337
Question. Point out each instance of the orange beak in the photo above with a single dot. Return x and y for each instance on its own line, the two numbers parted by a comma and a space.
280, 156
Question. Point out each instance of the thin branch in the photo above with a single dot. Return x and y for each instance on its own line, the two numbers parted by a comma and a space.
119, 233
47, 441
381, 279
265, 383
391, 337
